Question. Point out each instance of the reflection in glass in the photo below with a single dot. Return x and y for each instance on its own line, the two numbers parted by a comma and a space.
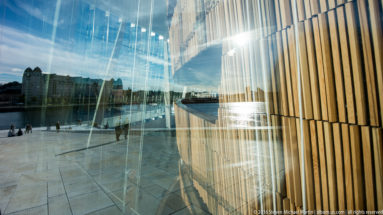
191, 106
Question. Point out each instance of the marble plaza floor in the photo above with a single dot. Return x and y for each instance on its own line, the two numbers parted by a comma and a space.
53, 173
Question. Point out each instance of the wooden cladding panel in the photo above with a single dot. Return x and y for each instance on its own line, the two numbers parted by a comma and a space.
315, 8
332, 61
295, 162
274, 74
346, 65
316, 165
288, 158
315, 93
321, 76
282, 76
328, 69
331, 4
377, 39
340, 55
356, 60
293, 70
323, 167
331, 166
348, 174
368, 63
309, 169
377, 140
305, 76
338, 151
301, 10
357, 165
278, 15
337, 65
323, 5
307, 8
286, 16
368, 168
288, 74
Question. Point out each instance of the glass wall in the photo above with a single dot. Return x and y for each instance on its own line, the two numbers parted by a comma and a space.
191, 107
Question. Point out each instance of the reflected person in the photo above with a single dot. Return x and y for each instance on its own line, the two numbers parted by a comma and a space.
58, 126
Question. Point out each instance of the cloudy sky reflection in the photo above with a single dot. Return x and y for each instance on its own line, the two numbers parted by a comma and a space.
83, 43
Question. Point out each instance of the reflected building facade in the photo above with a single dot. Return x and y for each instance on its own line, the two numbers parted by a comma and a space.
66, 90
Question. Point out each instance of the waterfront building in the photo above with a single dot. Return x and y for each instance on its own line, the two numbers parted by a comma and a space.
51, 89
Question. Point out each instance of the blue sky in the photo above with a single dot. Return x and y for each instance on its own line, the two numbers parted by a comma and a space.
83, 43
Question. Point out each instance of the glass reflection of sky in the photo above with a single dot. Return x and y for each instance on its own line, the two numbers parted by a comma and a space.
82, 46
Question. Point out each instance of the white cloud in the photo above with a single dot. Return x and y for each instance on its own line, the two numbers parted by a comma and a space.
44, 12
16, 70
33, 11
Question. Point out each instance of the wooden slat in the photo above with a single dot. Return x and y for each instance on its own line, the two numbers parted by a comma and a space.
323, 167
357, 167
286, 204
282, 77
337, 65
377, 140
288, 156
279, 202
316, 165
263, 17
278, 15
288, 73
328, 70
272, 15
278, 155
305, 76
307, 9
331, 4
347, 167
293, 69
339, 166
348, 85
315, 8
368, 63
331, 166
323, 5
295, 162
301, 10
273, 71
315, 94
309, 174
321, 76
377, 39
368, 168
286, 16
356, 61
266, 164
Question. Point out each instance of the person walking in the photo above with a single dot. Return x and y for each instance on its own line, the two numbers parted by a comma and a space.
118, 131
58, 126
126, 130
28, 128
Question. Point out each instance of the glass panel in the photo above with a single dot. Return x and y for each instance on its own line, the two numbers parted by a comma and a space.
191, 106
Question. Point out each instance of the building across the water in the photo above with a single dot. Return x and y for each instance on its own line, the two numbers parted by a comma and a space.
51, 89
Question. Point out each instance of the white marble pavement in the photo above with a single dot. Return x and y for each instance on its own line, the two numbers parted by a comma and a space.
115, 178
